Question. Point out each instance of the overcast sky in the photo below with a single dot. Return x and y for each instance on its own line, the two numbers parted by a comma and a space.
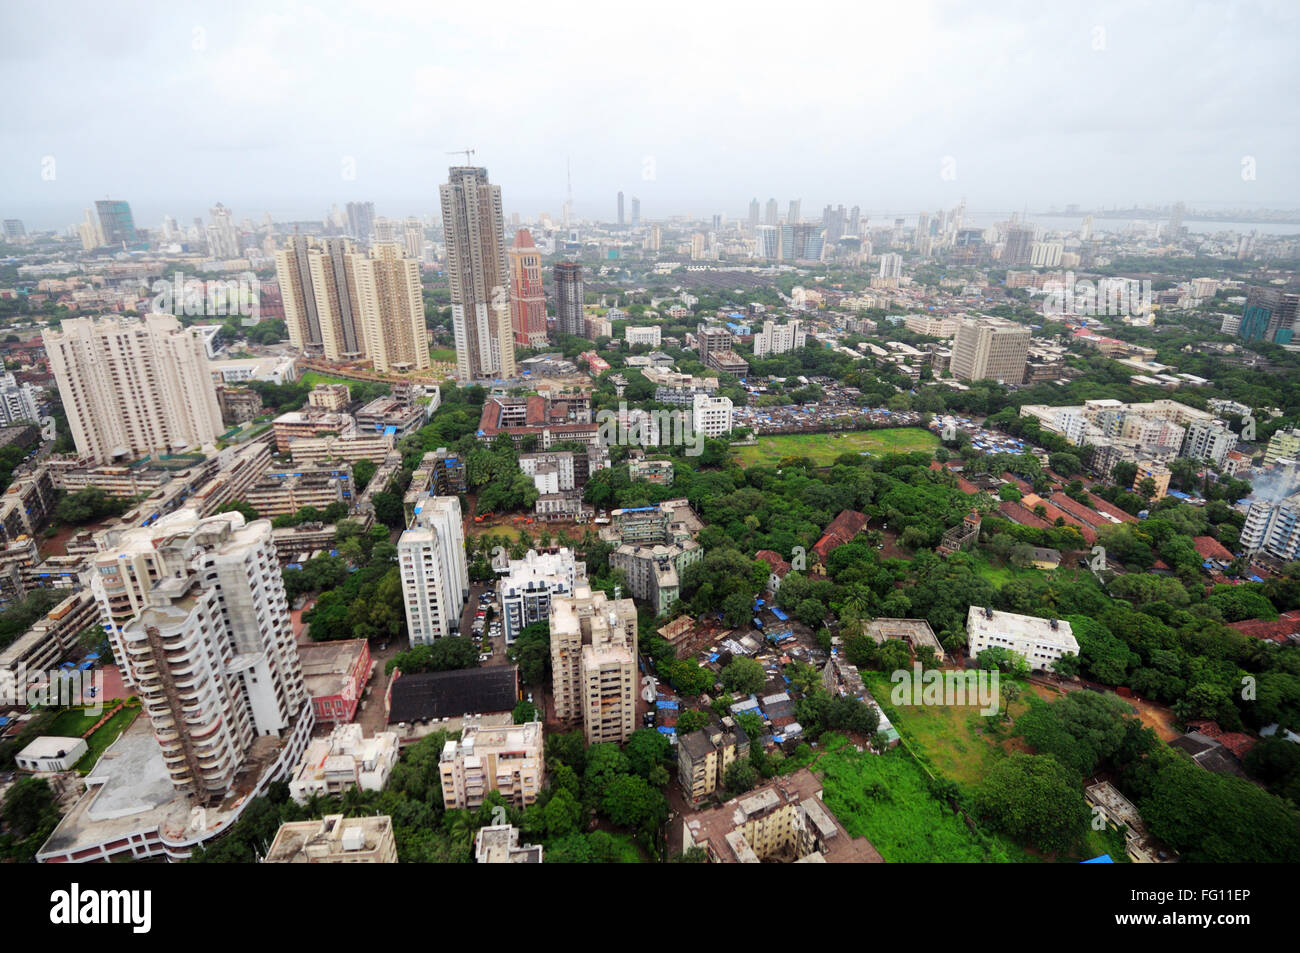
695, 107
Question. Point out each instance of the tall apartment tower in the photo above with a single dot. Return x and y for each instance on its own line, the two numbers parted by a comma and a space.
593, 663
361, 220
527, 296
132, 388
1019, 247
620, 208
636, 211
334, 285
413, 238
211, 652
391, 308
569, 317
753, 213
298, 293
223, 236
116, 224
773, 216
435, 576
792, 217
990, 349
477, 271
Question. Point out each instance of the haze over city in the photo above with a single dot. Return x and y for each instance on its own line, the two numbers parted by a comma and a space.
693, 108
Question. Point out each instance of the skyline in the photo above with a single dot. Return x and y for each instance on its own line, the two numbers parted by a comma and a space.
878, 106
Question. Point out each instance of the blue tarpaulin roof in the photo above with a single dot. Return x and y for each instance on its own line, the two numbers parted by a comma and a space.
779, 614
666, 704
665, 730
713, 657
1103, 859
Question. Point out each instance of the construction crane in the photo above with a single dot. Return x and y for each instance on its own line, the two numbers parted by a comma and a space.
467, 153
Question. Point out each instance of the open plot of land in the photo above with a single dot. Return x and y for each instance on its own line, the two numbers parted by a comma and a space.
823, 448
956, 741
886, 799
443, 355
316, 377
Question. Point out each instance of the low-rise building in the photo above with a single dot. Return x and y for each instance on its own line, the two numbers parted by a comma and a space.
335, 839
784, 821
51, 753
1040, 642
334, 674
344, 760
526, 587
499, 844
703, 757
508, 759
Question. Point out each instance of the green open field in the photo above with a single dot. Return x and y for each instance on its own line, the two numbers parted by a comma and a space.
314, 377
446, 355
886, 799
823, 448
956, 742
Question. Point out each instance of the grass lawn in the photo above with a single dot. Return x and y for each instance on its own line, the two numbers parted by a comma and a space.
109, 732
956, 742
446, 355
313, 378
823, 448
886, 799
72, 723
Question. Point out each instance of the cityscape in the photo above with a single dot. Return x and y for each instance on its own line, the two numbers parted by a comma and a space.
812, 524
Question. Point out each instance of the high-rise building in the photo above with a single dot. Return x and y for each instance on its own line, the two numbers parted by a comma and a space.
773, 213
1269, 315
361, 220
636, 211
298, 293
779, 338
14, 229
223, 236
413, 237
527, 295
1208, 440
594, 663
435, 577
90, 232
18, 401
477, 271
332, 265
391, 309
132, 388
990, 349
753, 213
527, 587
620, 208
792, 216
386, 230
891, 265
211, 652
569, 299
116, 225
1019, 246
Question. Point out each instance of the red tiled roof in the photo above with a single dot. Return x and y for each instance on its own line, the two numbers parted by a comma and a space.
1235, 741
1274, 631
840, 530
1110, 509
1017, 512
1207, 547
773, 559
